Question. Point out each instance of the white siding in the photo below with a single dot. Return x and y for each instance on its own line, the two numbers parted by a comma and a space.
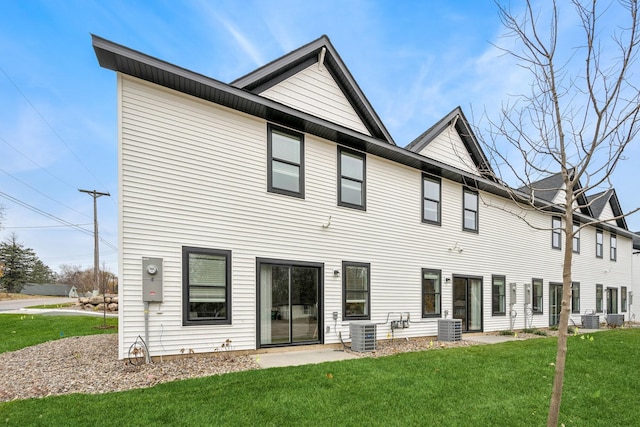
314, 91
634, 299
607, 214
194, 174
448, 148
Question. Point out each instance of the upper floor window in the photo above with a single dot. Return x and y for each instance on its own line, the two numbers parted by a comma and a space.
470, 214
599, 243
351, 179
613, 255
599, 297
431, 293
355, 289
206, 286
285, 150
431, 193
623, 299
575, 297
556, 232
498, 298
576, 238
536, 306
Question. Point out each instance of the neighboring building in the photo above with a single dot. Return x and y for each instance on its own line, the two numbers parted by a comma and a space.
276, 210
634, 294
46, 289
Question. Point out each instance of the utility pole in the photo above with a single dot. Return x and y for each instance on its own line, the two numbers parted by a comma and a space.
96, 251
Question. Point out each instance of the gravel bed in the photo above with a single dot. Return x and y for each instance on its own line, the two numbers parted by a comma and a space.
90, 364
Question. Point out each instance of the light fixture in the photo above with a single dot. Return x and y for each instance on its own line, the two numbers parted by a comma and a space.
336, 273
447, 280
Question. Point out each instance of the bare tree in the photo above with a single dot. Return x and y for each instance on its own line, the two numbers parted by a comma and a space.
576, 119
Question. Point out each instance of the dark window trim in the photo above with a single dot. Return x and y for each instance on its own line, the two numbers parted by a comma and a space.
600, 245
504, 294
613, 250
533, 295
601, 289
576, 238
186, 250
293, 134
556, 231
362, 156
346, 264
466, 190
574, 309
439, 309
439, 201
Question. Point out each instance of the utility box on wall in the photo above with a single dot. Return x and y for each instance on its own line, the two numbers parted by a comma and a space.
527, 293
513, 294
151, 279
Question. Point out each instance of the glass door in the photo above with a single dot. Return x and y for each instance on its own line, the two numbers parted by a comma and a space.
612, 300
467, 303
555, 303
289, 304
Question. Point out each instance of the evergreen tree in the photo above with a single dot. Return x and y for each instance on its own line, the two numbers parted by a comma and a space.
18, 264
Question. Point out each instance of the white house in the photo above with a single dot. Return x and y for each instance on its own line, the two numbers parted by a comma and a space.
277, 209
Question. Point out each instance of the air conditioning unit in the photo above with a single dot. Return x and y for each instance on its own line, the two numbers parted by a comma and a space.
591, 321
449, 329
615, 319
363, 336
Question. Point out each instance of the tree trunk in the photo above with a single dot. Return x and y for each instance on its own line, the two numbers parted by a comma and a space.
563, 326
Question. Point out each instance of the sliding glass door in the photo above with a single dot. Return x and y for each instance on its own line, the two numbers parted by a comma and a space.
467, 302
289, 309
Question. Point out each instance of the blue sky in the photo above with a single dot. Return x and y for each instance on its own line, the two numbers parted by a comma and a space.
415, 62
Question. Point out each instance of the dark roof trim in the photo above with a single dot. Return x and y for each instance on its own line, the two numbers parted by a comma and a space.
127, 61
600, 200
548, 188
463, 128
278, 70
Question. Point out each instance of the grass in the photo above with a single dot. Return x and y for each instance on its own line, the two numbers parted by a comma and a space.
22, 330
45, 306
500, 384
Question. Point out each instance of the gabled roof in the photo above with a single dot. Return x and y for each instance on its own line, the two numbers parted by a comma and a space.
286, 66
599, 202
636, 241
548, 188
466, 134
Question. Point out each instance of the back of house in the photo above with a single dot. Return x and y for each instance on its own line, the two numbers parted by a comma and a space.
277, 210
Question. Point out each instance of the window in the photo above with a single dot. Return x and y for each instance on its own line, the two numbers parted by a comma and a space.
431, 293
599, 243
575, 297
556, 232
536, 301
431, 191
352, 179
470, 214
206, 286
498, 302
285, 150
355, 288
613, 255
599, 298
623, 299
576, 238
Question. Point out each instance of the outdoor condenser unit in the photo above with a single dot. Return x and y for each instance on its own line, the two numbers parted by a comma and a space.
449, 329
615, 319
363, 336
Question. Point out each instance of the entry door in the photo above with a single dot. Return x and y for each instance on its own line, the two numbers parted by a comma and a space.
555, 303
289, 305
467, 303
612, 300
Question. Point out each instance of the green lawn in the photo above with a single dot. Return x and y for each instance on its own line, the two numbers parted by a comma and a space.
501, 385
22, 330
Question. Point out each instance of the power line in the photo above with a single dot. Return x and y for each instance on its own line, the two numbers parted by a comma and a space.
53, 217
45, 195
44, 226
51, 127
